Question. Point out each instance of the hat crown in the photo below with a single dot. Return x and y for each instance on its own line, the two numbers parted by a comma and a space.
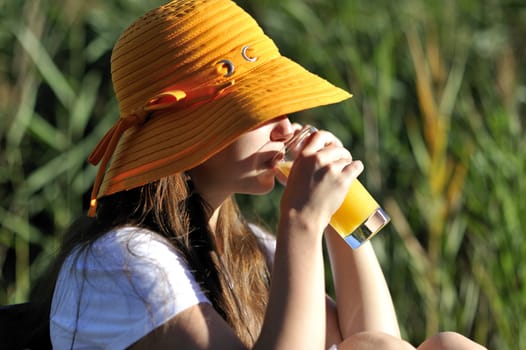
185, 40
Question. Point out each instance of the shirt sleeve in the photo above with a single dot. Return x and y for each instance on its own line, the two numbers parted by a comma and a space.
128, 284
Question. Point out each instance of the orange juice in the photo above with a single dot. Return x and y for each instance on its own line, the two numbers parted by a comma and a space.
357, 207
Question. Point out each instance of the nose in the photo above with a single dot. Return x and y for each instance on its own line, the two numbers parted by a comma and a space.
282, 129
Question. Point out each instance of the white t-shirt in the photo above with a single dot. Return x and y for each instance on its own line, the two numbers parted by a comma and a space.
130, 282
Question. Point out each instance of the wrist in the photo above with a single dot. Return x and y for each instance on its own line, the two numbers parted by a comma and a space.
298, 223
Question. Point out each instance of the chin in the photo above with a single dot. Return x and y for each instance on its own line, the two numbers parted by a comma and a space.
264, 185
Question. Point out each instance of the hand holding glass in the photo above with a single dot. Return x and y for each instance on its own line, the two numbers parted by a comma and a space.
359, 217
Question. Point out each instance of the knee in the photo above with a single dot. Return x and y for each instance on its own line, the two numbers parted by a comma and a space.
449, 340
374, 340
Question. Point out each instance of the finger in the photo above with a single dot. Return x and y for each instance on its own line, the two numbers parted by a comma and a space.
330, 138
332, 153
354, 168
319, 140
343, 171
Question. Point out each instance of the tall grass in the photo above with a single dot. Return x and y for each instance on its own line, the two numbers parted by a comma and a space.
437, 117
54, 83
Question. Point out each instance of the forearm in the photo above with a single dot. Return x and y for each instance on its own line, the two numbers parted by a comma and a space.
362, 295
295, 317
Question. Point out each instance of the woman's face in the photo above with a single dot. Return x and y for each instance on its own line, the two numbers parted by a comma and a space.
246, 165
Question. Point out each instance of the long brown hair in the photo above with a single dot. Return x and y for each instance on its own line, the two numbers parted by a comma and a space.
236, 281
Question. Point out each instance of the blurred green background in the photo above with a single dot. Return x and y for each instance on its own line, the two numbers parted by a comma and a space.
438, 117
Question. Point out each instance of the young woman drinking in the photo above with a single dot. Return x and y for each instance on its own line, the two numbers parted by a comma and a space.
164, 258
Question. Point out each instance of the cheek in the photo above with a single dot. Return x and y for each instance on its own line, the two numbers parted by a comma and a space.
243, 150
243, 157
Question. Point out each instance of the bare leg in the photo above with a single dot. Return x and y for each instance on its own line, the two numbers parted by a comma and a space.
374, 341
449, 340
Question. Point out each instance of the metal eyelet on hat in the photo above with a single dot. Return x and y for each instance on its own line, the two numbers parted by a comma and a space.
230, 68
244, 53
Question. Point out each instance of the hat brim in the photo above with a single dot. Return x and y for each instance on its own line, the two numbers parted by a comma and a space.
175, 141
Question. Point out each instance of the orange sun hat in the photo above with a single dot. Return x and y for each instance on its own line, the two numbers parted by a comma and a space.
190, 77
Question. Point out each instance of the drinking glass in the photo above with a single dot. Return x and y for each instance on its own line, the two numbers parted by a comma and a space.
359, 217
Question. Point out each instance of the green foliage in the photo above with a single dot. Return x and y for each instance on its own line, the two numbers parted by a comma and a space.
437, 117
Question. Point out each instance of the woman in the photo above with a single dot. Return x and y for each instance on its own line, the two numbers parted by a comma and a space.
164, 258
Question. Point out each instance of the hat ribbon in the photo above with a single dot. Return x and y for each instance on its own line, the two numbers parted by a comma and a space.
173, 97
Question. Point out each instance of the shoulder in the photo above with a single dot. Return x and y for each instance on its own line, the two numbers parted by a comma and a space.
137, 257
129, 282
130, 240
